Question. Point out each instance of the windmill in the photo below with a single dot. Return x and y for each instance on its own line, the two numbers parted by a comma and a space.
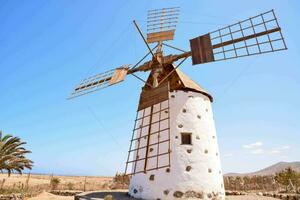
173, 151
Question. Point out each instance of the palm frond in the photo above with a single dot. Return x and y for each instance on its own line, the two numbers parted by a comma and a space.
13, 155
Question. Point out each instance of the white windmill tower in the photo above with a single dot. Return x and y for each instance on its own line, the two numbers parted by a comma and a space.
174, 150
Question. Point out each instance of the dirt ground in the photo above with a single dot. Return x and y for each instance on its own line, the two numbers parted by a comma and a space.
249, 197
48, 196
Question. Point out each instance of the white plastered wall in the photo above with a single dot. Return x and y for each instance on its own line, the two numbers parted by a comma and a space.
195, 171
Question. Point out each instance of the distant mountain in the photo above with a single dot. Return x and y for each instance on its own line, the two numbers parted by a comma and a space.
273, 169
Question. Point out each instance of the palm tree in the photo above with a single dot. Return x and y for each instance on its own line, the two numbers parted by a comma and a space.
12, 155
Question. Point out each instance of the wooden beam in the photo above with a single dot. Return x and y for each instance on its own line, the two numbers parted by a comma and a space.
140, 32
148, 140
245, 38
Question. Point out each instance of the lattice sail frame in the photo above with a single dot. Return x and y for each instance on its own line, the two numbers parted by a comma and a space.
255, 35
153, 122
100, 81
161, 24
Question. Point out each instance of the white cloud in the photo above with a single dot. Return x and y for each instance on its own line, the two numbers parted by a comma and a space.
286, 147
279, 150
256, 148
257, 151
253, 145
275, 152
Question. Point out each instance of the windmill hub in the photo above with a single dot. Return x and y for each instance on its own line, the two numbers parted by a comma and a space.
173, 151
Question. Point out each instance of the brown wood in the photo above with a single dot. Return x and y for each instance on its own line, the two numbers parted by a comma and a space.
141, 34
150, 134
160, 36
169, 134
158, 134
154, 96
92, 84
201, 49
148, 145
245, 38
128, 156
118, 76
148, 140
179, 81
149, 157
139, 142
163, 141
139, 159
165, 166
176, 80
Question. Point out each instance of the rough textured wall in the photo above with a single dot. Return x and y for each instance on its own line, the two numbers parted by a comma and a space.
195, 170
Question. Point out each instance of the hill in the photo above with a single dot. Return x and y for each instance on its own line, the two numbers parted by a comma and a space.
273, 169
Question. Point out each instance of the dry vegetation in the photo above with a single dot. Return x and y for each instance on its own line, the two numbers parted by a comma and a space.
32, 185
287, 180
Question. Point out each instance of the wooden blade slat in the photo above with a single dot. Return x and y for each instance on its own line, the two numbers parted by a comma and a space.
202, 50
160, 36
161, 24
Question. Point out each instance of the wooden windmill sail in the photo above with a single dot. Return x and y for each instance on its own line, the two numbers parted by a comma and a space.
256, 35
151, 143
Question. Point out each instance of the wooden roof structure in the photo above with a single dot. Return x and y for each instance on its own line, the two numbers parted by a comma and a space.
189, 84
177, 80
170, 79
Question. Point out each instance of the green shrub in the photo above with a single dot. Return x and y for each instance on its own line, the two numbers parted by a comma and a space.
54, 182
70, 186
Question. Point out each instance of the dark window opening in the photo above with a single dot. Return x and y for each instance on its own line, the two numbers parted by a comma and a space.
186, 138
151, 178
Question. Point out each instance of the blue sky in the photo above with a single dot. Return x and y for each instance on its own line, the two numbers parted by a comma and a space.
47, 47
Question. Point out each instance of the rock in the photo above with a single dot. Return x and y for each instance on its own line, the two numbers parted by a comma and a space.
11, 197
178, 194
188, 168
259, 194
65, 192
166, 192
193, 194
109, 197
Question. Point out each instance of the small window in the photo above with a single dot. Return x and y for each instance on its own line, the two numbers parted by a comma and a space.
186, 138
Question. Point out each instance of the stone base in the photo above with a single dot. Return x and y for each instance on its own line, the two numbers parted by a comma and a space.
190, 194
99, 195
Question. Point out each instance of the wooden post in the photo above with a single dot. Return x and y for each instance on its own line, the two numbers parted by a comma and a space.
148, 140
84, 184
